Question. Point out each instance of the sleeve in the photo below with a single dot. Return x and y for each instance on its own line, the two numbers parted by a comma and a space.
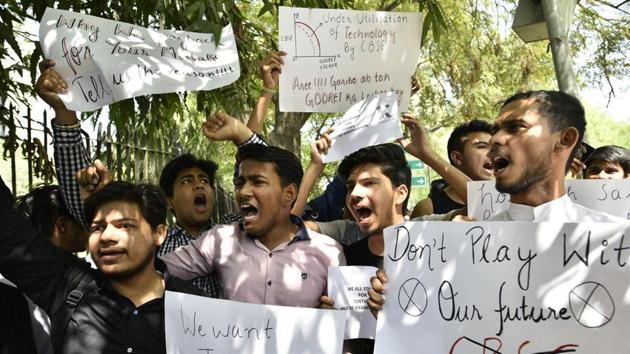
254, 139
195, 259
70, 157
437, 217
29, 259
335, 229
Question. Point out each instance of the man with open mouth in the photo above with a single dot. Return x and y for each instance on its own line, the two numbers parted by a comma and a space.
467, 150
270, 257
533, 143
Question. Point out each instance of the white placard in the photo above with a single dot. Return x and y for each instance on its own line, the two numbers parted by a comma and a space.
336, 58
348, 287
372, 121
511, 287
611, 196
105, 61
196, 324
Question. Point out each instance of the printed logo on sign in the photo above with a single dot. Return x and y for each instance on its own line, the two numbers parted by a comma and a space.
304, 275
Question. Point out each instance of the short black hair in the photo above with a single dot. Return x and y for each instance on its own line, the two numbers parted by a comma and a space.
611, 153
43, 205
180, 163
391, 159
455, 142
149, 199
285, 163
561, 110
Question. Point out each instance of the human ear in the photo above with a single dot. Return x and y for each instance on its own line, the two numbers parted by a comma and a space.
568, 139
401, 193
160, 232
290, 193
457, 158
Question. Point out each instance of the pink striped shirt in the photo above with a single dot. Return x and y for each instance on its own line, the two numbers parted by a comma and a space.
293, 274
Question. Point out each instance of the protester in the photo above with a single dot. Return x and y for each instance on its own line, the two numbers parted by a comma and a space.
117, 308
608, 162
269, 258
467, 150
533, 143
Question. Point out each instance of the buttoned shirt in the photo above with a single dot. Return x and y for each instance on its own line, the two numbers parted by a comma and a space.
178, 237
292, 274
562, 209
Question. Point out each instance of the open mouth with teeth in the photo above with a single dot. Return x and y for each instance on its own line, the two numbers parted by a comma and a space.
499, 164
248, 212
200, 202
488, 166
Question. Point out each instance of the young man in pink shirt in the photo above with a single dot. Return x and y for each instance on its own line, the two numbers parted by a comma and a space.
269, 258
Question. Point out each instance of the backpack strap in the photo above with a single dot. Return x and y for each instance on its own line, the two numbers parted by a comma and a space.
65, 307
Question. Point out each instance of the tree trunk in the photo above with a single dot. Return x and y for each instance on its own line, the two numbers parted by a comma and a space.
286, 131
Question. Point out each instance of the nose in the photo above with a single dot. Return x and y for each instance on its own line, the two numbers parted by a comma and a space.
498, 138
244, 190
357, 193
109, 234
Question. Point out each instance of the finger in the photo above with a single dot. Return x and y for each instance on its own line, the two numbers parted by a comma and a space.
45, 64
375, 297
59, 80
381, 275
376, 285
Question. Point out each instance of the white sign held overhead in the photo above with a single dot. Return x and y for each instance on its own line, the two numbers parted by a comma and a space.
196, 324
348, 287
372, 121
336, 58
105, 61
505, 287
611, 196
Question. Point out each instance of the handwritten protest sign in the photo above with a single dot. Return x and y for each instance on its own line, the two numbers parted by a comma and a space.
611, 196
348, 287
104, 61
337, 58
196, 324
372, 121
505, 287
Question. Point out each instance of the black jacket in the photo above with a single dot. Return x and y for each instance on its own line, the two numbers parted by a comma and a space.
104, 321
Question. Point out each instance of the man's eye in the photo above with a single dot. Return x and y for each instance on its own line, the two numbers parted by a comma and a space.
94, 229
205, 180
186, 181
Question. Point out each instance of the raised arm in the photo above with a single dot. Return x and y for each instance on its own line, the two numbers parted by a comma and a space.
312, 172
270, 69
29, 259
420, 147
69, 152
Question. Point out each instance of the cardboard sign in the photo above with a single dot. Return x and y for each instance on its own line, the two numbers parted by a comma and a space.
105, 61
336, 58
348, 287
611, 196
196, 324
372, 121
505, 287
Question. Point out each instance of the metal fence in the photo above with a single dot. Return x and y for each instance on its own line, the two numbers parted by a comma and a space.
131, 154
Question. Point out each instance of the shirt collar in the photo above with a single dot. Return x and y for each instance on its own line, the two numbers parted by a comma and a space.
554, 209
300, 235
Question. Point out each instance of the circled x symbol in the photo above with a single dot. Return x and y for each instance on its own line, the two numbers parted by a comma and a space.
591, 304
412, 297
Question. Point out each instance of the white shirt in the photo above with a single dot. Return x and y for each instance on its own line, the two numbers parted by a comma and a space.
562, 209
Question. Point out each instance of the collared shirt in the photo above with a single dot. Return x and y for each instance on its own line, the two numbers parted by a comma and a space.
562, 209
178, 237
104, 321
292, 274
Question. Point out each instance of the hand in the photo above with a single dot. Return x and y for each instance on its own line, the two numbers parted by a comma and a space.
326, 303
462, 215
576, 168
271, 68
222, 126
93, 178
50, 84
419, 145
320, 147
415, 86
377, 292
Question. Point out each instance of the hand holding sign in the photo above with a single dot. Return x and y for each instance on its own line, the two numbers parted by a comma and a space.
271, 68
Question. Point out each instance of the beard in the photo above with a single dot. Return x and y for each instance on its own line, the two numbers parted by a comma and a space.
533, 173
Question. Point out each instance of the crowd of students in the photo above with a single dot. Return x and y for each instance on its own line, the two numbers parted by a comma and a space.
277, 249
